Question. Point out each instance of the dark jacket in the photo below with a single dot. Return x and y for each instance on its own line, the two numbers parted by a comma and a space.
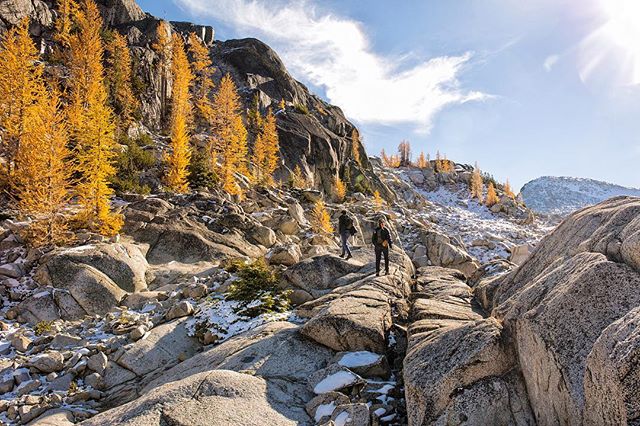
345, 223
379, 236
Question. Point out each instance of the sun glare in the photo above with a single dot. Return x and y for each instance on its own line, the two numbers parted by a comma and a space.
612, 52
624, 22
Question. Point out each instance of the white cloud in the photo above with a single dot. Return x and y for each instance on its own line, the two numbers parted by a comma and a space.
334, 52
550, 62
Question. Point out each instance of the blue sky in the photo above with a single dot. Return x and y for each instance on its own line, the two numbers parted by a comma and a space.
525, 88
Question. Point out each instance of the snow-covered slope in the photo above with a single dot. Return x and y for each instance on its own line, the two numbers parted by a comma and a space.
562, 195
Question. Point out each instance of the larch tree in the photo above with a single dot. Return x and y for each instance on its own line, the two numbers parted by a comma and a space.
296, 178
254, 116
320, 219
492, 197
41, 182
266, 151
340, 190
386, 161
377, 200
422, 160
355, 146
508, 191
202, 67
282, 106
91, 122
164, 50
404, 153
20, 84
231, 135
66, 10
178, 159
475, 184
123, 102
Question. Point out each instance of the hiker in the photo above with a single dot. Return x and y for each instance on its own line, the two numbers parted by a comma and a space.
346, 230
381, 240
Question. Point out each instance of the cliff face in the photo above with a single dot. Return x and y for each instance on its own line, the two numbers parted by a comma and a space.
313, 134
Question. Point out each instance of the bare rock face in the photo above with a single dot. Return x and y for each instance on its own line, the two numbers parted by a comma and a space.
460, 368
443, 251
570, 310
212, 397
118, 12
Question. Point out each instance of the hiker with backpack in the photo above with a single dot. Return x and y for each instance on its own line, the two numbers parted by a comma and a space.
346, 230
381, 240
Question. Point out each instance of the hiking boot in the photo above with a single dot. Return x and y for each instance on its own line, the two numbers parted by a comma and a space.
342, 255
377, 274
348, 257
386, 272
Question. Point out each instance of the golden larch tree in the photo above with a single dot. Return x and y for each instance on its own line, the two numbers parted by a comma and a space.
66, 11
164, 50
385, 158
203, 83
492, 197
231, 135
91, 122
282, 106
404, 154
377, 200
254, 116
297, 179
475, 184
340, 189
41, 182
178, 159
266, 151
320, 219
123, 102
508, 191
422, 160
355, 146
20, 84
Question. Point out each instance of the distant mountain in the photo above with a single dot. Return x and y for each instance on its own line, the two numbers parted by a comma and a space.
562, 195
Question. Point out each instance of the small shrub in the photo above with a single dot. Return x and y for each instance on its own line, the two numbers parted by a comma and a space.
130, 163
377, 200
257, 289
301, 109
296, 179
73, 388
43, 327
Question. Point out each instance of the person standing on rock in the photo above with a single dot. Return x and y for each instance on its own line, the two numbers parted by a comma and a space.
345, 229
381, 240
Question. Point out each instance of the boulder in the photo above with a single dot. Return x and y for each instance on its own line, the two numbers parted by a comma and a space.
566, 305
322, 406
448, 358
286, 254
317, 275
123, 264
443, 251
334, 378
215, 397
47, 362
519, 254
263, 235
165, 346
179, 310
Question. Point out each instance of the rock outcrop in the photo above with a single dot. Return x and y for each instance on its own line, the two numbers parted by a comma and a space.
565, 307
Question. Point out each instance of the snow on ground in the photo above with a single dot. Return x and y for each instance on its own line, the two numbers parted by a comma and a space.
486, 235
359, 359
338, 380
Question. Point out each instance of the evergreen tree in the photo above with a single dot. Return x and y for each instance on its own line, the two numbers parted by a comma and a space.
231, 135
164, 50
42, 178
492, 197
178, 159
475, 184
203, 83
20, 86
123, 102
91, 122
266, 151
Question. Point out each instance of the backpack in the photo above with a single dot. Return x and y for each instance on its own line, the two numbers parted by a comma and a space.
348, 223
